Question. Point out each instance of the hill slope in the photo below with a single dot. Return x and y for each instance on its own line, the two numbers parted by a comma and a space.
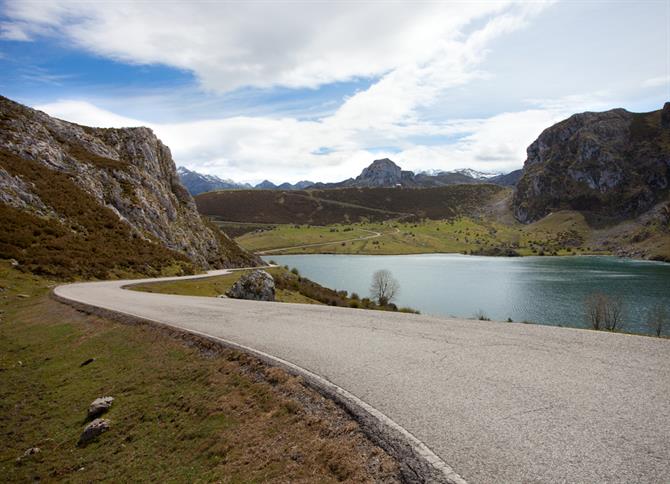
322, 207
613, 164
78, 201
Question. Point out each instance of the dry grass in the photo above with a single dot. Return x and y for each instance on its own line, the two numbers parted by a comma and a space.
89, 242
183, 412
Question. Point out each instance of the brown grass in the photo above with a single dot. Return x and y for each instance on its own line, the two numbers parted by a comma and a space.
91, 242
184, 410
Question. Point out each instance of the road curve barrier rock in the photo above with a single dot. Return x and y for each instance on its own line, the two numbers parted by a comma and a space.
257, 286
92, 430
99, 406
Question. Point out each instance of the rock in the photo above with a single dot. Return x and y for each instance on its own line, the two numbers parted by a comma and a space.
257, 285
381, 173
28, 453
99, 406
665, 115
14, 263
614, 163
93, 430
128, 171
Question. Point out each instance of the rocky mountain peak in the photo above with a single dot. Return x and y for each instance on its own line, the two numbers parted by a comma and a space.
615, 163
381, 173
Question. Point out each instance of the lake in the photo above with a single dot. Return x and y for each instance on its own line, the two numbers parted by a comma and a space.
544, 290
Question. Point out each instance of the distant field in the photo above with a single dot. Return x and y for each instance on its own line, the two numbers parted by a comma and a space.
561, 234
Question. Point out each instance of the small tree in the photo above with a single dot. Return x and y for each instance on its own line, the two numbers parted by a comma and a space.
384, 287
657, 318
594, 309
603, 312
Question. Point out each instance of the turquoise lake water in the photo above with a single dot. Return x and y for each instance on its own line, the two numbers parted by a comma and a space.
544, 290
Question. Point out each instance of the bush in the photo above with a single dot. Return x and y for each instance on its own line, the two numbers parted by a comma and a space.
603, 312
481, 316
657, 319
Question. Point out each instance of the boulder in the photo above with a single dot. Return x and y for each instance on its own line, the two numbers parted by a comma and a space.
257, 286
93, 430
99, 406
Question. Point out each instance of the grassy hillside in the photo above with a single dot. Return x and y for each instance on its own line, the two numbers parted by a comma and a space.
560, 233
346, 205
93, 243
183, 412
290, 286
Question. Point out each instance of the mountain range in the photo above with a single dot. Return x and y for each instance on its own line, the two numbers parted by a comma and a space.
383, 173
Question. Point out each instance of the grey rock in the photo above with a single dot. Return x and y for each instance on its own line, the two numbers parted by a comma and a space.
257, 285
127, 170
30, 452
614, 163
99, 406
93, 430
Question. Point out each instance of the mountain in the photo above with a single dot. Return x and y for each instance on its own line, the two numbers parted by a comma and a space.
612, 164
508, 179
301, 185
477, 175
385, 173
91, 202
197, 183
380, 173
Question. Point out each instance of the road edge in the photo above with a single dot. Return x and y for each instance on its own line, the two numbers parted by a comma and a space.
418, 463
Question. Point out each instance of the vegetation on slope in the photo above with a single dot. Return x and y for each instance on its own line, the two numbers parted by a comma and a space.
290, 287
182, 412
346, 205
560, 233
612, 163
92, 243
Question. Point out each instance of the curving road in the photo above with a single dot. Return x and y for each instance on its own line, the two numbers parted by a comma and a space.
498, 402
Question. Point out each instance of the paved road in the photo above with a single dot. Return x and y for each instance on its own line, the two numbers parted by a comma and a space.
499, 402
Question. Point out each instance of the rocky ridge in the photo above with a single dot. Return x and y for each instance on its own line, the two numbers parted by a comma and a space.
614, 164
127, 171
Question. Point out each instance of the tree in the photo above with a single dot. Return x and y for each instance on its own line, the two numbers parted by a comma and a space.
603, 312
384, 287
657, 318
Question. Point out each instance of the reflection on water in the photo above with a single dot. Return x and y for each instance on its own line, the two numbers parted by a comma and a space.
547, 290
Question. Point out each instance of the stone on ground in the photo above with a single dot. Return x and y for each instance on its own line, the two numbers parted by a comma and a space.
257, 285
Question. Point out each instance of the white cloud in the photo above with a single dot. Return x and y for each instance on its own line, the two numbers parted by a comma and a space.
14, 31
295, 44
418, 50
657, 81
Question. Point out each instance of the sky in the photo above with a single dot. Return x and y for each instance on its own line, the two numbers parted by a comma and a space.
316, 90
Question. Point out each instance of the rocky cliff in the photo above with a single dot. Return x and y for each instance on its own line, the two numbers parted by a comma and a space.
71, 177
615, 163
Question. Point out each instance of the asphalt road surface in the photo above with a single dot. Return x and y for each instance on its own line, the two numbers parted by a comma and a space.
499, 402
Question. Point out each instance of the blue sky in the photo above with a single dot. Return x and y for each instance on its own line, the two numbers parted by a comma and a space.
317, 90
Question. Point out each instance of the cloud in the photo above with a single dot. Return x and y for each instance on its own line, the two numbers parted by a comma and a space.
416, 51
264, 44
657, 81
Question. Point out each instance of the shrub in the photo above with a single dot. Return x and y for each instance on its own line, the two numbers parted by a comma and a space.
657, 319
481, 316
603, 312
